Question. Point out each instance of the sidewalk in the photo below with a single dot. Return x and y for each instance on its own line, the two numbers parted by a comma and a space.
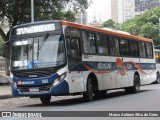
5, 91
5, 88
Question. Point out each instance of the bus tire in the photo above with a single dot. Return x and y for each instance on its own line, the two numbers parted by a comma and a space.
89, 94
136, 86
46, 99
157, 78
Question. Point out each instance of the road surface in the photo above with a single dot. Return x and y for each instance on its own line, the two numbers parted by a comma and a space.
148, 99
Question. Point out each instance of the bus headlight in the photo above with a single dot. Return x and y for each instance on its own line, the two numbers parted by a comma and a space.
57, 80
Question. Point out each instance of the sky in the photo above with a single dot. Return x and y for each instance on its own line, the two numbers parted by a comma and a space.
101, 9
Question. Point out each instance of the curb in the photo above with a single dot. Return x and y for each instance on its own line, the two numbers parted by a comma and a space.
6, 96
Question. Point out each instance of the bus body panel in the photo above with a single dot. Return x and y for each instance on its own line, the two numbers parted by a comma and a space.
76, 81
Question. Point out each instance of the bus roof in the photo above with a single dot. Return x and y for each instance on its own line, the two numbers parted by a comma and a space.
105, 31
109, 32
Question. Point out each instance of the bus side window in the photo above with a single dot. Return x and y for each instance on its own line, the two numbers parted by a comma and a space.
102, 45
73, 42
134, 48
73, 47
89, 43
149, 50
142, 50
124, 46
114, 46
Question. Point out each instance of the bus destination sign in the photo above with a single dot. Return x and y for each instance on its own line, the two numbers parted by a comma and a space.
35, 29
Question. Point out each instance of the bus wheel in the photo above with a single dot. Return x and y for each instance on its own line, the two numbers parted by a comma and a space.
158, 78
89, 94
136, 87
46, 99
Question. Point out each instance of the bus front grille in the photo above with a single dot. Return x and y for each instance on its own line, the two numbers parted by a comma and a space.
45, 88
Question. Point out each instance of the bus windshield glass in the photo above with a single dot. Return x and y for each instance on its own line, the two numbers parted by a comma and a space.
38, 52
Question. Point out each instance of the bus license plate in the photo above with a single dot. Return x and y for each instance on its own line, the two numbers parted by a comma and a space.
33, 89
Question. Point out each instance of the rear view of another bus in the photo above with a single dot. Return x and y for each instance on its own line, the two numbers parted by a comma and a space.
157, 56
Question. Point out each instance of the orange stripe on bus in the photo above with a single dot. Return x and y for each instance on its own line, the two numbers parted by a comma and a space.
105, 31
96, 71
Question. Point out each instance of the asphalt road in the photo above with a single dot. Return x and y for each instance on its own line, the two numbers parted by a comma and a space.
148, 99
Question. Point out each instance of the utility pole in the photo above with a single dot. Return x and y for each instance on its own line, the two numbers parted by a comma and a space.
32, 11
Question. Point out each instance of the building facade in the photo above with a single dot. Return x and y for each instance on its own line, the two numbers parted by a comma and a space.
143, 5
81, 18
122, 10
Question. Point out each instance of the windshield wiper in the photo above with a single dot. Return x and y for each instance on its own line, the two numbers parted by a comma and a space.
43, 41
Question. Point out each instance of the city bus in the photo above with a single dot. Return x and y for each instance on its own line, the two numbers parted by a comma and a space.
157, 56
55, 58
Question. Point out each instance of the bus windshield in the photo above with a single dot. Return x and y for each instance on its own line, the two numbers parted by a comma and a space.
38, 52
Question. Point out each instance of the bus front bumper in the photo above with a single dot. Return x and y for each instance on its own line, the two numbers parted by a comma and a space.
61, 88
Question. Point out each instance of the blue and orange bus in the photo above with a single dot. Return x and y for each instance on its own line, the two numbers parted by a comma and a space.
53, 58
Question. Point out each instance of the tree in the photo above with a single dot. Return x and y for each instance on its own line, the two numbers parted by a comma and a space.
70, 16
146, 25
108, 24
18, 11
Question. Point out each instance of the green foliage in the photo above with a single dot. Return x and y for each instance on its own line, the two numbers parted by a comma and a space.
111, 24
19, 11
70, 16
146, 25
108, 24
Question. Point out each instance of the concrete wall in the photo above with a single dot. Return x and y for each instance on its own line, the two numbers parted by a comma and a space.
2, 64
3, 77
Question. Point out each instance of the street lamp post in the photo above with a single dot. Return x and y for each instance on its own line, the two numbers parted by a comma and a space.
32, 11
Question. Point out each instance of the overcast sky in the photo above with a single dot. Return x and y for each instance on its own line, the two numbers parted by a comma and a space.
101, 9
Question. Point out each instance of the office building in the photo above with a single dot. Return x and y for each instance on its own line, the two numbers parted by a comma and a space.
81, 18
122, 10
143, 5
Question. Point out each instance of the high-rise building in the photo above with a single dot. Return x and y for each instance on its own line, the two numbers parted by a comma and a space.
122, 10
142, 5
81, 18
